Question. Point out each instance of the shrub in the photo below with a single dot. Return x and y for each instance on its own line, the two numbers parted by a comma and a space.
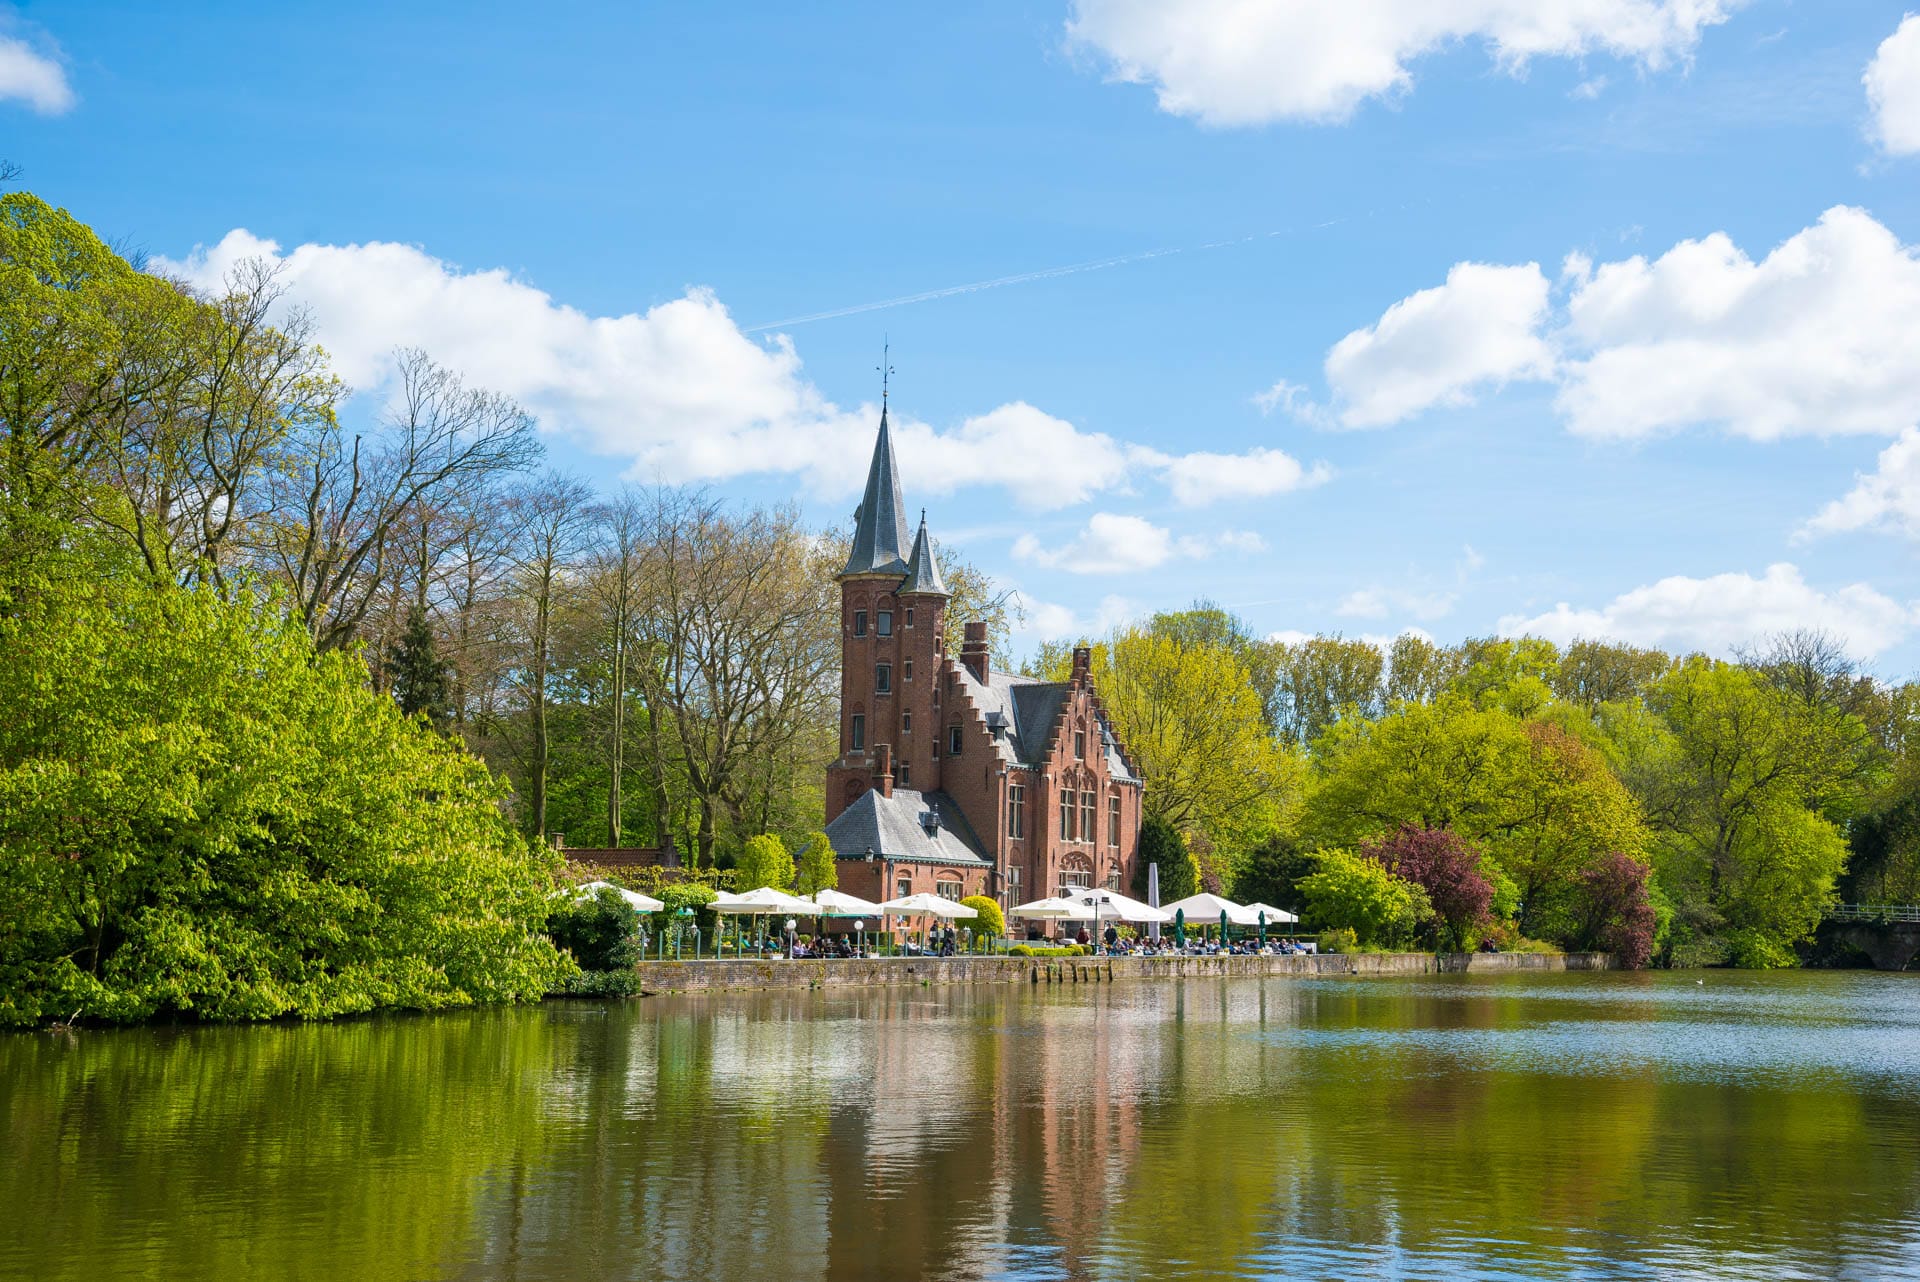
1341, 939
1348, 890
990, 923
1044, 950
602, 983
600, 933
1752, 949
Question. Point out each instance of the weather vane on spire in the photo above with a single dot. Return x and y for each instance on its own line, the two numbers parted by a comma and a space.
885, 367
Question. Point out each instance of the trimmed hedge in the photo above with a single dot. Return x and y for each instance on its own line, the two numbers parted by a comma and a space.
1028, 950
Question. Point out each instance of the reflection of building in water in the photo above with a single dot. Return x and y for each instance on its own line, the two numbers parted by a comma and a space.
986, 1124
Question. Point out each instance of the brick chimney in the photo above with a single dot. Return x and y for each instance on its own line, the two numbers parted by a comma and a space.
974, 653
883, 769
1082, 664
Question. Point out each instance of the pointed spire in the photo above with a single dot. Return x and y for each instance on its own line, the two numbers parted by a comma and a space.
880, 525
923, 572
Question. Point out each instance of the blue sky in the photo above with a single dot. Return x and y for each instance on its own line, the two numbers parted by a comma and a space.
1392, 313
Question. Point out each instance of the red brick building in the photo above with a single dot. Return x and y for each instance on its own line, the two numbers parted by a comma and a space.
953, 778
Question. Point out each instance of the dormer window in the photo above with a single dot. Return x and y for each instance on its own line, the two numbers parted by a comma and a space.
859, 623
884, 623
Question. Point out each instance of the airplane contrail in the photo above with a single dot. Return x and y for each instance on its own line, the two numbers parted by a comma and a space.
1045, 273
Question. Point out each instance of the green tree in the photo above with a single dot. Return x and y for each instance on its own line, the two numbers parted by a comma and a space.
1349, 891
420, 682
1272, 873
1322, 679
764, 861
817, 869
601, 933
199, 814
1540, 803
1161, 844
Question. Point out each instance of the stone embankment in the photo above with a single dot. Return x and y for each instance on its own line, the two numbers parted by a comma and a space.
695, 976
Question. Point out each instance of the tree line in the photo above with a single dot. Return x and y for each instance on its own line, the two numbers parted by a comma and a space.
1675, 807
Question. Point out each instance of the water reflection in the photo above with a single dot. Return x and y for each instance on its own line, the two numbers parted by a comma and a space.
1553, 1126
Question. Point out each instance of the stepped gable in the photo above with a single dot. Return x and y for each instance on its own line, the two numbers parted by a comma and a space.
893, 827
1034, 712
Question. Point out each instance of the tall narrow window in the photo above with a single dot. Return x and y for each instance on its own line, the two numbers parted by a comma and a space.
953, 741
906, 671
906, 723
1066, 815
883, 678
903, 887
1086, 817
1113, 821
1016, 811
1013, 885
883, 624
857, 733
909, 616
906, 774
1079, 745
859, 623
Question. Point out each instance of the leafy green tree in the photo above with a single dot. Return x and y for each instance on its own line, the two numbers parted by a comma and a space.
1741, 804
764, 861
1592, 673
817, 869
1539, 802
1272, 873
1359, 894
199, 814
1322, 679
421, 683
1162, 845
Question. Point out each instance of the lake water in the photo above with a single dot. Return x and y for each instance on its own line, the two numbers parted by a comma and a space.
1716, 1125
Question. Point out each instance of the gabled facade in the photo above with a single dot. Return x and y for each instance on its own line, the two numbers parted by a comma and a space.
953, 778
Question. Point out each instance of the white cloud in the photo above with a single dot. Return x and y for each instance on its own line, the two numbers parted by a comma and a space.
682, 392
33, 78
1201, 478
1441, 345
1050, 621
1893, 89
1815, 338
1588, 90
1111, 543
1245, 62
1724, 611
1378, 603
1889, 499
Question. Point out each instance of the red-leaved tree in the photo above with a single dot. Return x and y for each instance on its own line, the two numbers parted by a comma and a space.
1447, 867
1617, 913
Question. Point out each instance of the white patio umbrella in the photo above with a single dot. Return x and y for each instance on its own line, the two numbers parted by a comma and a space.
1274, 915
764, 902
837, 903
1056, 908
925, 905
1113, 904
587, 890
1204, 908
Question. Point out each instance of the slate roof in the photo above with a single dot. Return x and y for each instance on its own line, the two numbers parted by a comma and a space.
1028, 708
923, 572
891, 827
880, 524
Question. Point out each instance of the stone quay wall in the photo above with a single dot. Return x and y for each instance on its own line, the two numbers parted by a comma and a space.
704, 976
